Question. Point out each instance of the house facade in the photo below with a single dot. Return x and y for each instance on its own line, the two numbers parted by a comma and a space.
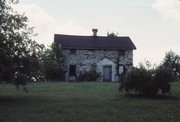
109, 56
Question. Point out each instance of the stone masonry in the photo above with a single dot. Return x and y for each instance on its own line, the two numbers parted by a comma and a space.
85, 60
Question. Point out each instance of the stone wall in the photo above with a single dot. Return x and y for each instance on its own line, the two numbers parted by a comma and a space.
86, 59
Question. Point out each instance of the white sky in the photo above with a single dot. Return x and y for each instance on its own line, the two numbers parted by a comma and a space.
153, 25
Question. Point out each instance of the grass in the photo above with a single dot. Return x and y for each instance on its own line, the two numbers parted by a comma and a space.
79, 102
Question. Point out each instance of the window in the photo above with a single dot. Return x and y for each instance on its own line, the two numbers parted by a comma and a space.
73, 52
72, 70
121, 69
122, 53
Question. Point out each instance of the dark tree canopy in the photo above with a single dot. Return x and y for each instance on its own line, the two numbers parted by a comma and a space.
172, 61
18, 52
51, 64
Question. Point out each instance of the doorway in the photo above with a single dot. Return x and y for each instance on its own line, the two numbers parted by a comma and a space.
107, 73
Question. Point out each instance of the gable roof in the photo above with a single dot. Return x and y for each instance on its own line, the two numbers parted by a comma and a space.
94, 42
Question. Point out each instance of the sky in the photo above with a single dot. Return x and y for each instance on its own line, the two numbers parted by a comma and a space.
152, 25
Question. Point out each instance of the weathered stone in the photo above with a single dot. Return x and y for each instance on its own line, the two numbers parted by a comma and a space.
85, 60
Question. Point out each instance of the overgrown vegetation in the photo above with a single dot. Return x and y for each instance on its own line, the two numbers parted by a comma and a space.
51, 65
91, 75
20, 55
149, 81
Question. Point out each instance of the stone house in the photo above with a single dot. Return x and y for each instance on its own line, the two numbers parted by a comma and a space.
110, 56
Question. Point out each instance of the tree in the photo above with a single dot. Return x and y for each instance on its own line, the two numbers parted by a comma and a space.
112, 34
172, 61
52, 64
19, 54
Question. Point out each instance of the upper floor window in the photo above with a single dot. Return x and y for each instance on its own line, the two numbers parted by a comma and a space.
73, 52
122, 53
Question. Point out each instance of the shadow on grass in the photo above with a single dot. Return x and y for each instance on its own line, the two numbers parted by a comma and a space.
21, 99
157, 97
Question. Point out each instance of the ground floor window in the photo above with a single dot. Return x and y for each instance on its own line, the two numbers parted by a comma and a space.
122, 69
72, 70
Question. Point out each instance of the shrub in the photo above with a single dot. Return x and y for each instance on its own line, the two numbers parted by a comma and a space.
21, 79
91, 75
164, 76
148, 81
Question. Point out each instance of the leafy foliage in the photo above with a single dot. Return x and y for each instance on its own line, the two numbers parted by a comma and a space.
148, 81
20, 55
21, 80
112, 34
164, 76
91, 75
51, 65
172, 61
18, 52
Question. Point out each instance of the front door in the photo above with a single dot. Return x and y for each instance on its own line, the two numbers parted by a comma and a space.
107, 73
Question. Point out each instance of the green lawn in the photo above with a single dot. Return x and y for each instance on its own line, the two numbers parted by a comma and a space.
101, 102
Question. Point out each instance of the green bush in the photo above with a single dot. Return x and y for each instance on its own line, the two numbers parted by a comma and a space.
21, 79
91, 75
164, 76
148, 82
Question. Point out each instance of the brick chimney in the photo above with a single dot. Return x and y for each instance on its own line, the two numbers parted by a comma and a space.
94, 32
